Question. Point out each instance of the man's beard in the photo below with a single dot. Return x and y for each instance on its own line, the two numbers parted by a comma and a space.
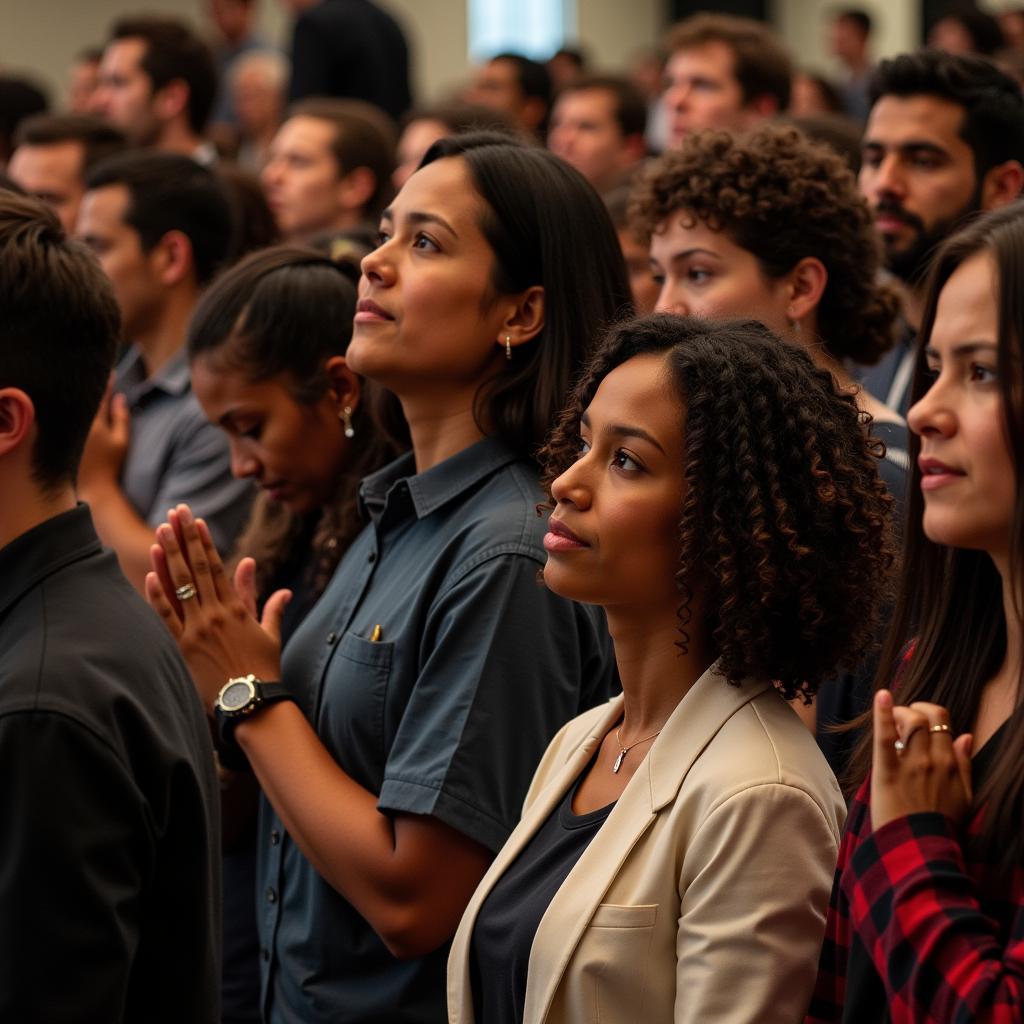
911, 264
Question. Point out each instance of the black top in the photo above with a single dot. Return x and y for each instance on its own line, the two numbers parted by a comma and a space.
866, 998
110, 861
499, 954
435, 668
353, 49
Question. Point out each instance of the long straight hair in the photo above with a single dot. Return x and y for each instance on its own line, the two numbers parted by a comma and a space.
547, 226
950, 600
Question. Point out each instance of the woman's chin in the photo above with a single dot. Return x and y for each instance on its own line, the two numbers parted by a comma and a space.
561, 580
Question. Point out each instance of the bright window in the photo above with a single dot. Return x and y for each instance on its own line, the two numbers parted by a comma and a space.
534, 28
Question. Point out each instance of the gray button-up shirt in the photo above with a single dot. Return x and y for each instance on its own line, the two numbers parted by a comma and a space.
175, 454
435, 668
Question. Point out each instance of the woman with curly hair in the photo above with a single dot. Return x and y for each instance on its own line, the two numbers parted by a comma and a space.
927, 917
677, 845
770, 225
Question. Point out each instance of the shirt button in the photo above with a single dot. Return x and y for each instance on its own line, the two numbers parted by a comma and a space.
275, 837
372, 557
331, 637
271, 895
265, 953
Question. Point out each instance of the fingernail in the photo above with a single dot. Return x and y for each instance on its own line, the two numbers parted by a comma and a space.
166, 533
186, 515
883, 699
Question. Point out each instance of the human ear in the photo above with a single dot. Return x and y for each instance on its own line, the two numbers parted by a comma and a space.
1002, 184
807, 282
346, 385
171, 99
356, 188
173, 257
17, 417
525, 320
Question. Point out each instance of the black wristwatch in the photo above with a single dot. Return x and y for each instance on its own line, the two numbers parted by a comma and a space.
237, 699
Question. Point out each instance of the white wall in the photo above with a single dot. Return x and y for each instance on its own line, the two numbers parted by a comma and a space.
896, 29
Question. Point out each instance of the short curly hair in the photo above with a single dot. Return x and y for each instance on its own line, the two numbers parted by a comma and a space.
782, 197
785, 529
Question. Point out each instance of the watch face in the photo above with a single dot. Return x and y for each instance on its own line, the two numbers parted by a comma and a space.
236, 695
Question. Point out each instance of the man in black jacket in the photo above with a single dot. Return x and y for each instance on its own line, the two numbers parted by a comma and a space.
350, 49
109, 866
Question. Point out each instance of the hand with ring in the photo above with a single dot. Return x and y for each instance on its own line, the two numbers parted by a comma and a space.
213, 621
917, 765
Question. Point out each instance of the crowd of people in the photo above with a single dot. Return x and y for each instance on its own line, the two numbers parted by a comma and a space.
555, 554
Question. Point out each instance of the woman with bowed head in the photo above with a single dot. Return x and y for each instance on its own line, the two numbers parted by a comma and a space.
926, 922
674, 858
395, 739
267, 347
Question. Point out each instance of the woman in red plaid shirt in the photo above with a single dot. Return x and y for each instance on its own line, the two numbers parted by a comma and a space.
927, 916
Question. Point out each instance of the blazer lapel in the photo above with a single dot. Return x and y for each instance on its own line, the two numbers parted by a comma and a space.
710, 702
547, 800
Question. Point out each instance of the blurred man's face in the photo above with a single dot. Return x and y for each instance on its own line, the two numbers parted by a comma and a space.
918, 177
702, 91
52, 173
302, 179
125, 92
258, 100
116, 244
846, 41
586, 134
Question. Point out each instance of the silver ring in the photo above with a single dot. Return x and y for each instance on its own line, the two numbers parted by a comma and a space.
901, 745
185, 592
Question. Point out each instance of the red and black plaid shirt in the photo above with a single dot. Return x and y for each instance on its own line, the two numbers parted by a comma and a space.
943, 932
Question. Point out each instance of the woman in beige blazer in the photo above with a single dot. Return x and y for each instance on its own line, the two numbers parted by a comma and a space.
676, 851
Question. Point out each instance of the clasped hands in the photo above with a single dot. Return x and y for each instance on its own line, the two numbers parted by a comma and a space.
216, 627
929, 771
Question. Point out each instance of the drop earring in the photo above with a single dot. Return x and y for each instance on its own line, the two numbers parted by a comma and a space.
508, 347
346, 418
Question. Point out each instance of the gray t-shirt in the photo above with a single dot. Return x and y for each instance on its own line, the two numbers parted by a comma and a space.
444, 710
175, 454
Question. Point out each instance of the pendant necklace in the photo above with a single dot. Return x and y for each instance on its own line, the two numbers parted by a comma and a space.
623, 751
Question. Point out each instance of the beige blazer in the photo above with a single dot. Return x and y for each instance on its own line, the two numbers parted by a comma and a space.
702, 898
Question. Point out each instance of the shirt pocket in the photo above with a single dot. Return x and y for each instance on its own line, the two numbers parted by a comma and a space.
609, 972
351, 720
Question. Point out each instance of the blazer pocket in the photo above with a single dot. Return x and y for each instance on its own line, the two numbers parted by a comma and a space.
610, 915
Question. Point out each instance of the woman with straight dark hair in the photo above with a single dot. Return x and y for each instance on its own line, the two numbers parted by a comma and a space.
927, 915
267, 349
674, 858
420, 692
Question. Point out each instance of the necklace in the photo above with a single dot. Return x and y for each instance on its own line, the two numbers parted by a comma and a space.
623, 751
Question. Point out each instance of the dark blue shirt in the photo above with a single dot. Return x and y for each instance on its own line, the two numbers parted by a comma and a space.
435, 668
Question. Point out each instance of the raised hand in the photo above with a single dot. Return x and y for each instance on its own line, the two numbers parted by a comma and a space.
917, 765
213, 621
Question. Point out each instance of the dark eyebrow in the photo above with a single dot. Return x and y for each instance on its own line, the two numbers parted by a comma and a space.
908, 148
622, 430
419, 217
696, 251
968, 348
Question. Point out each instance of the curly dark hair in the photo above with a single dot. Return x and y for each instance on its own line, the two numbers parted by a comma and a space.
785, 530
782, 197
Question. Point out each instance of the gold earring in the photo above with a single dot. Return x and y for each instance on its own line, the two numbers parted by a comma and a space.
508, 347
346, 418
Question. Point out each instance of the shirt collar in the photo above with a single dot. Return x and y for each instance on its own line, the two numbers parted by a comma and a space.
41, 551
438, 485
172, 378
